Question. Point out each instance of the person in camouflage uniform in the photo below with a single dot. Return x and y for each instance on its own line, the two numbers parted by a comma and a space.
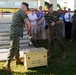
53, 19
16, 31
73, 35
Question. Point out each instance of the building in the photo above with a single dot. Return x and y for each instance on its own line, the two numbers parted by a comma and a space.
15, 4
35, 3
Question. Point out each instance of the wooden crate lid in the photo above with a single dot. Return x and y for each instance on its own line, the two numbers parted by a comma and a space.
41, 49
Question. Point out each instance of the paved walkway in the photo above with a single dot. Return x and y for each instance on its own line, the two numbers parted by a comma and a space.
4, 53
6, 19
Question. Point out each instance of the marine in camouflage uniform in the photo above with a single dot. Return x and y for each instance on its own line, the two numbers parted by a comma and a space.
16, 31
54, 31
73, 35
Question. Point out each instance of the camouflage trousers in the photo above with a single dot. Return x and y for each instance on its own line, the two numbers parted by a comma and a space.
14, 47
55, 33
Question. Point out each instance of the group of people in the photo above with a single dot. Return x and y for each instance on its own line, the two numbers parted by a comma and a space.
68, 19
68, 28
52, 21
36, 17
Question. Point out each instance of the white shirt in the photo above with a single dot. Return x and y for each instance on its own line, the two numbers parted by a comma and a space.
32, 17
67, 18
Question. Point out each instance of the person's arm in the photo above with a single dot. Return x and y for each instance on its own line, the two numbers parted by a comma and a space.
54, 23
32, 20
29, 17
40, 15
26, 20
41, 20
73, 19
59, 21
29, 24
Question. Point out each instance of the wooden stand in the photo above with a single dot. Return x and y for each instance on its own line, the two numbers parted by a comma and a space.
35, 57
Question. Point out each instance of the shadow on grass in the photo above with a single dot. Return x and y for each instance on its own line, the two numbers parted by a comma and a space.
3, 72
37, 71
44, 70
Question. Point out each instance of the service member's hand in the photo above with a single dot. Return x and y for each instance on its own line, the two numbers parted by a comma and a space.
53, 23
34, 26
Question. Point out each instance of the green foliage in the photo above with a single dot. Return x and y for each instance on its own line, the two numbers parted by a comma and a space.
58, 5
46, 5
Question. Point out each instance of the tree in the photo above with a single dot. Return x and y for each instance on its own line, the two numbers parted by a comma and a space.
46, 5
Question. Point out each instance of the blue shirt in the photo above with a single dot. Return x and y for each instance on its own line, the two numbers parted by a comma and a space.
40, 15
62, 16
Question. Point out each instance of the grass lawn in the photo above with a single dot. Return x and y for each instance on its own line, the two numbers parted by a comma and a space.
57, 66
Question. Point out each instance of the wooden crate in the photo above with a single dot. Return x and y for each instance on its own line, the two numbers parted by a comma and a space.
35, 57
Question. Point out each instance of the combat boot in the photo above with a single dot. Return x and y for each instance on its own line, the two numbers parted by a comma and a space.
18, 61
6, 67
